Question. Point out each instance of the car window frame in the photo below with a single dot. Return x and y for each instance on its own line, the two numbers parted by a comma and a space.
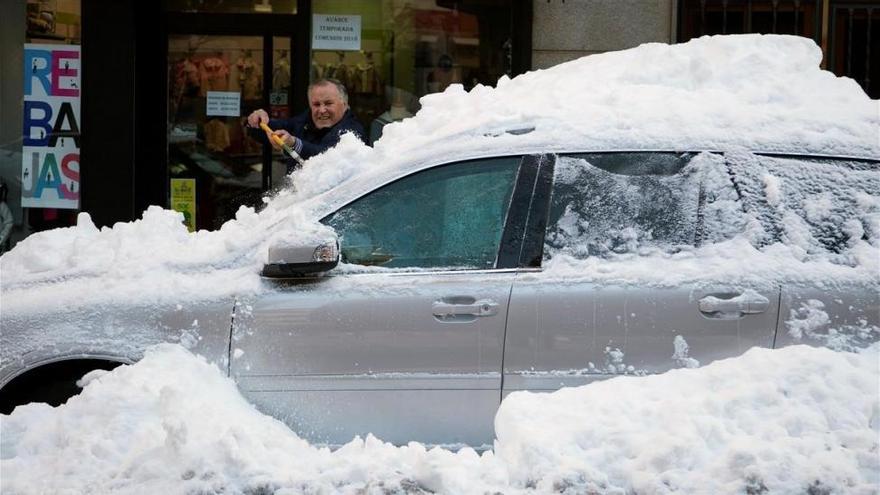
516, 213
533, 250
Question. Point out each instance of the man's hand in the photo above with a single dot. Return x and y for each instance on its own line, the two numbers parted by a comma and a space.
256, 117
285, 136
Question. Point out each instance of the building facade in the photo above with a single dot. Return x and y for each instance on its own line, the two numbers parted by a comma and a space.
109, 107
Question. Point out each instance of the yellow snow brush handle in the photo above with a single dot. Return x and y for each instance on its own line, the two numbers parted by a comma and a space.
280, 142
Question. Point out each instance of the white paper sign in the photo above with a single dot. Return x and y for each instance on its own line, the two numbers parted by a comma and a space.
336, 32
224, 103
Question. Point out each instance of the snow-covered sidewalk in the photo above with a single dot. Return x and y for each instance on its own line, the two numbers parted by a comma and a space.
793, 420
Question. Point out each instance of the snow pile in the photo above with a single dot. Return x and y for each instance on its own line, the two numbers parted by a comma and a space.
795, 420
151, 260
173, 424
757, 91
783, 421
751, 91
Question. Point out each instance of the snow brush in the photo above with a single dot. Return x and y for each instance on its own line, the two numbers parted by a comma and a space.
284, 146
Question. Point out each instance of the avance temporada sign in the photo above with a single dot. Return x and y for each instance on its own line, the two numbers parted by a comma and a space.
336, 32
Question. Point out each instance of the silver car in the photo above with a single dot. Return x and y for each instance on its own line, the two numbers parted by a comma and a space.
463, 282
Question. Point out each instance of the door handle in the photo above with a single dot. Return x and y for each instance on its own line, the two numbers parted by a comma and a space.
482, 307
748, 302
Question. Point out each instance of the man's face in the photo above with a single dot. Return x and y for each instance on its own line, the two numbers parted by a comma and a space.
327, 106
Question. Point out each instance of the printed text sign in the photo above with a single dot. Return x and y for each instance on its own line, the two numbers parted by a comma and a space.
50, 135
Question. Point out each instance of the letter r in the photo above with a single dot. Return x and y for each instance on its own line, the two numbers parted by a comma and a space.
39, 71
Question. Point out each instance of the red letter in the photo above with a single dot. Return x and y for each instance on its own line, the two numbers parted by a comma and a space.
71, 174
57, 72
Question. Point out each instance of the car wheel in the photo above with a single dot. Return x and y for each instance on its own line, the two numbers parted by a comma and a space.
52, 384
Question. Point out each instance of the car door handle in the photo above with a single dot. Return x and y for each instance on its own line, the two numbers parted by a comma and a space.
748, 302
482, 307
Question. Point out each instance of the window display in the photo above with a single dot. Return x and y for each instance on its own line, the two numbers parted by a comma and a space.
43, 186
206, 141
233, 6
410, 48
208, 146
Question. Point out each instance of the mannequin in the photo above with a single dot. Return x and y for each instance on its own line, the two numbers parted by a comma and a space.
281, 72
368, 77
214, 74
248, 76
338, 70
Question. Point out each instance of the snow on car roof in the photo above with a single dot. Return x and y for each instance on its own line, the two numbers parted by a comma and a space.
758, 92
762, 92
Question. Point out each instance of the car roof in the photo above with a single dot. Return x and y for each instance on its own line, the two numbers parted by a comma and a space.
350, 190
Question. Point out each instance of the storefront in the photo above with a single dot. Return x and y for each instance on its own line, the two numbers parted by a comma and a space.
149, 97
39, 168
226, 59
163, 89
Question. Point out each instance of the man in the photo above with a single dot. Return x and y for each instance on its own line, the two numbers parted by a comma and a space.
314, 131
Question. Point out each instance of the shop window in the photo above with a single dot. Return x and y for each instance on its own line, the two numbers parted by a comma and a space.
405, 49
214, 82
39, 141
233, 6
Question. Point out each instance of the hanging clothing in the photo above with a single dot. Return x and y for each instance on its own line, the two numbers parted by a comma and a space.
281, 74
214, 75
216, 135
317, 71
186, 78
368, 79
249, 78
340, 72
185, 83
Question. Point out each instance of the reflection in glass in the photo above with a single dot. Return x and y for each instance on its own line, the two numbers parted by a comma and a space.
233, 6
207, 143
280, 99
410, 48
420, 221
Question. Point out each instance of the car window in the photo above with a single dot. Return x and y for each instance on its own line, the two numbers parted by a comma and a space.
820, 204
615, 203
449, 217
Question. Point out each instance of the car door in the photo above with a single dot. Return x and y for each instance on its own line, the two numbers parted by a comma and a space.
404, 339
618, 290
826, 209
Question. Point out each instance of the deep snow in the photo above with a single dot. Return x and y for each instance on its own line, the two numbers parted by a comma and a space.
755, 92
793, 420
771, 421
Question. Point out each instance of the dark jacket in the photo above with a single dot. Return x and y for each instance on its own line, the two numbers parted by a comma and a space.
313, 141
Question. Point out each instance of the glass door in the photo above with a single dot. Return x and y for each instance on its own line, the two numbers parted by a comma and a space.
214, 82
279, 102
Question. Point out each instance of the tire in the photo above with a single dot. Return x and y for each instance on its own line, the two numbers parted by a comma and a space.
52, 384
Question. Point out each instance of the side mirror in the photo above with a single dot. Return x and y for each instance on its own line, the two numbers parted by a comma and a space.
297, 260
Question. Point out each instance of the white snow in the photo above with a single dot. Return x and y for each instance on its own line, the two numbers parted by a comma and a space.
793, 420
810, 323
733, 92
680, 356
771, 189
783, 419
